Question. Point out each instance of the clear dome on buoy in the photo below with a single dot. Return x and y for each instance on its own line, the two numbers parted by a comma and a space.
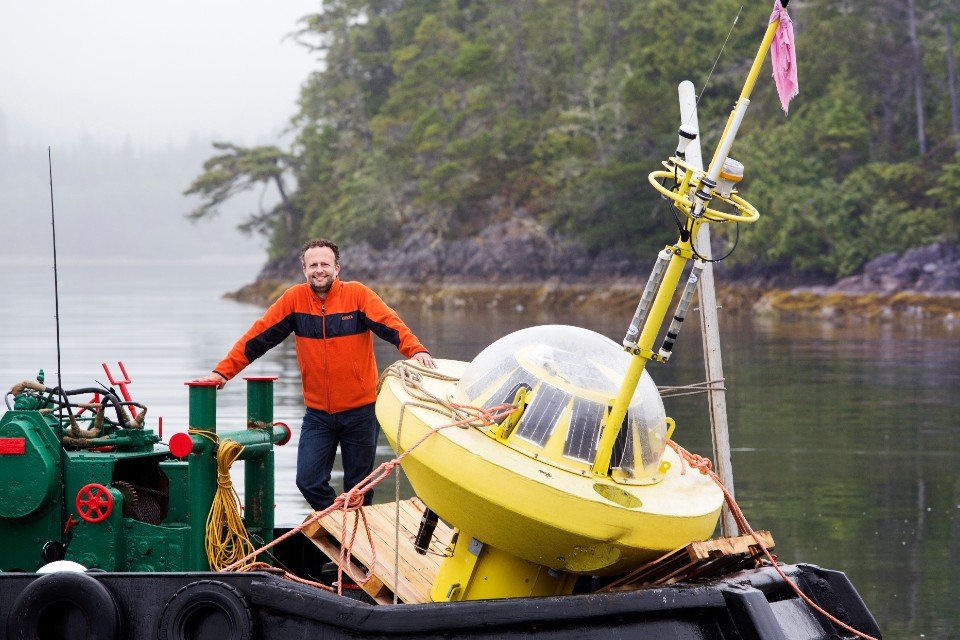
571, 376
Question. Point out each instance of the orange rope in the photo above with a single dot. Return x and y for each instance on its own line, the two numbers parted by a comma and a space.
703, 465
352, 501
263, 566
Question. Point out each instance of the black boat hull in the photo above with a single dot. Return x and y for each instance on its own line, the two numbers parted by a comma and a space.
752, 604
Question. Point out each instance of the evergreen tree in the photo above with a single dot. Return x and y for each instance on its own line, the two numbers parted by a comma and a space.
441, 117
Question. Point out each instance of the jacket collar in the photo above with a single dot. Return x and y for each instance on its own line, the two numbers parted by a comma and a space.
334, 290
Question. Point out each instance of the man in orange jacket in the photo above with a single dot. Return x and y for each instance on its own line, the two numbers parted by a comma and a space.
334, 323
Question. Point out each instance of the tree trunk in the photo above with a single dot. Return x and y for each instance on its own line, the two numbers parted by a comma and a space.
610, 10
292, 215
359, 111
522, 84
917, 76
278, 180
576, 38
952, 84
888, 95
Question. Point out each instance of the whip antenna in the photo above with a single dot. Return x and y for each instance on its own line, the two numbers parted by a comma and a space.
720, 53
56, 294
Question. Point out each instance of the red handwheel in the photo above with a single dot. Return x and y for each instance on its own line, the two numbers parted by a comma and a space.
94, 502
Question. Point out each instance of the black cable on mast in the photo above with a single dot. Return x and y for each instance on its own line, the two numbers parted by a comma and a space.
56, 297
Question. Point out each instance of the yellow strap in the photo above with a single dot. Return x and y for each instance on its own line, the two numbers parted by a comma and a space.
203, 433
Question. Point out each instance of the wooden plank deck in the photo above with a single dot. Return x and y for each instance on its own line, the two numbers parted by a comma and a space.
415, 572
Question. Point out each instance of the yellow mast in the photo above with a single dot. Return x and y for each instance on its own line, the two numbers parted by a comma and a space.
692, 197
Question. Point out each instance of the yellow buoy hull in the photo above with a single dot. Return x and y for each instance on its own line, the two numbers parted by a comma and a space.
544, 514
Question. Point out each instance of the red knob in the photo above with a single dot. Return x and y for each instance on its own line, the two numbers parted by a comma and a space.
181, 445
94, 502
285, 438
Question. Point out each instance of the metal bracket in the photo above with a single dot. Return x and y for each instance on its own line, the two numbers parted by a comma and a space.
645, 353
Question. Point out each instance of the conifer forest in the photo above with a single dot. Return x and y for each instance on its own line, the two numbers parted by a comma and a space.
442, 117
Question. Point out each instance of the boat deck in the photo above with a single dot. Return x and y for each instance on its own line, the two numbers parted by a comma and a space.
415, 573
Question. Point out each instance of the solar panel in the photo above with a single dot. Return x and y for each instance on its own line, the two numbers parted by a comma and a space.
572, 368
622, 457
584, 431
541, 416
505, 392
647, 455
484, 382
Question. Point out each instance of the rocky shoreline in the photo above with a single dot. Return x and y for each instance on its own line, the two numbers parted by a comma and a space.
621, 297
518, 266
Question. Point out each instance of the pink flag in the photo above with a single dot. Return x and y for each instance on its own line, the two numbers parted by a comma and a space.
783, 55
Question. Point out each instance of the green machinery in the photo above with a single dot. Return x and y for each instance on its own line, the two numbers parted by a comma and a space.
87, 482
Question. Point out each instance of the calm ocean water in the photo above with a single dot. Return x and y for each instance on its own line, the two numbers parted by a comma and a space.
845, 437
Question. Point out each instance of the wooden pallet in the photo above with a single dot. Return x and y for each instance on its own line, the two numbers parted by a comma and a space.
697, 561
416, 572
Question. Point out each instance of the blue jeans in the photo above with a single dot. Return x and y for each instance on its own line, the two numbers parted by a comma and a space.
355, 430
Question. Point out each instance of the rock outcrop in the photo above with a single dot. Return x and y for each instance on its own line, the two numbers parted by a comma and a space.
514, 251
518, 264
934, 268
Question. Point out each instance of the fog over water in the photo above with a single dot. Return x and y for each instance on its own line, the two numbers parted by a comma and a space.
130, 96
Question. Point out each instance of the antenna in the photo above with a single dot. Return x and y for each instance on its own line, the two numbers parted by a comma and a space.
736, 18
56, 296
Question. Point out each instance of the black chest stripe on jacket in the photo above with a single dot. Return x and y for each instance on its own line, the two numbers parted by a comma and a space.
383, 331
268, 338
350, 323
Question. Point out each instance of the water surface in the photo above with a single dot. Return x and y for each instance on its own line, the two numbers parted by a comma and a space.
845, 438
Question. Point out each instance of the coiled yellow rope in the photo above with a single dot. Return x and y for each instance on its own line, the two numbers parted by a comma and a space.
226, 538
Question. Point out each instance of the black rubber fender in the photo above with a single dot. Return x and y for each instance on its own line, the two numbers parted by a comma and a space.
206, 609
58, 604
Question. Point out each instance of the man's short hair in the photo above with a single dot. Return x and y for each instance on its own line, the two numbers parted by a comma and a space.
317, 243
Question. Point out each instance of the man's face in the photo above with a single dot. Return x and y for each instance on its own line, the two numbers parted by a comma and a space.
320, 268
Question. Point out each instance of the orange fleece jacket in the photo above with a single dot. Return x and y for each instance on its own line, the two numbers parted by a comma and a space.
334, 342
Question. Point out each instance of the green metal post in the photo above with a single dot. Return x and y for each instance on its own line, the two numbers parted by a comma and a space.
258, 472
203, 405
202, 476
259, 400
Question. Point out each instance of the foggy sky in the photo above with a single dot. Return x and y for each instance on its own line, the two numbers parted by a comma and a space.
130, 95
149, 72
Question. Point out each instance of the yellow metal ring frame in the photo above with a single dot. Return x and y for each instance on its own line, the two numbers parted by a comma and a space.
747, 212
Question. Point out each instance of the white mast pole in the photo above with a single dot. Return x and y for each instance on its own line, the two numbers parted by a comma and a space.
709, 327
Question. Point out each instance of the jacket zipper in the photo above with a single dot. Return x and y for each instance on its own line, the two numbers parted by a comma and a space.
326, 365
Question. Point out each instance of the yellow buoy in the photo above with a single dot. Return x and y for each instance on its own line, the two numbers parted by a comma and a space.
526, 488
